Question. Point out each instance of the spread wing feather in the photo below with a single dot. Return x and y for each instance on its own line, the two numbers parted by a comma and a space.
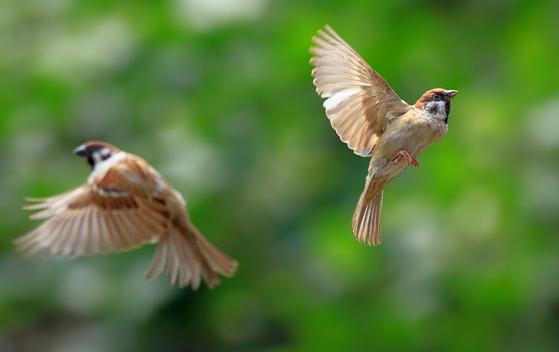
113, 216
359, 102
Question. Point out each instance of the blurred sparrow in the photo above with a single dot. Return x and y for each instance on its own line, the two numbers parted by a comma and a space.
373, 121
126, 203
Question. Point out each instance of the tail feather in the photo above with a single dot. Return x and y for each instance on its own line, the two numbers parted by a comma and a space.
366, 219
187, 258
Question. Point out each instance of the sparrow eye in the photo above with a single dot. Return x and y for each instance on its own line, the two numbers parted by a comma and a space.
437, 96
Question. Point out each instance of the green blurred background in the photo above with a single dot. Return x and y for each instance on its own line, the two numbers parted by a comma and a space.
217, 95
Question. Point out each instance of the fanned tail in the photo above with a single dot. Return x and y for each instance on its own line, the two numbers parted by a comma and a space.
366, 219
187, 257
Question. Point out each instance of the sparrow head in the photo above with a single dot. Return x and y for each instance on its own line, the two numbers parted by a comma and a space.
436, 102
95, 152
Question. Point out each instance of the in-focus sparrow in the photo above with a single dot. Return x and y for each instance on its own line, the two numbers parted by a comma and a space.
374, 121
126, 203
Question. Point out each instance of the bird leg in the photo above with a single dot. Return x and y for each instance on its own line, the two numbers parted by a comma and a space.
402, 153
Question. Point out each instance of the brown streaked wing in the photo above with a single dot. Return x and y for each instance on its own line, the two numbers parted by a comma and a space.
359, 102
87, 223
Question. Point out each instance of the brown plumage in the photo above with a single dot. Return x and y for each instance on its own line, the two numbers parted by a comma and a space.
125, 204
374, 121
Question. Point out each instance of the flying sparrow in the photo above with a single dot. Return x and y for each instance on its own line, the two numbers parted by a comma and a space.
374, 121
126, 203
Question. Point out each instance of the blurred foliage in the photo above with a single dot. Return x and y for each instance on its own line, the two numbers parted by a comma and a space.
217, 95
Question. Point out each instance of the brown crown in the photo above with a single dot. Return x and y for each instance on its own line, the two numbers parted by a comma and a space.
429, 96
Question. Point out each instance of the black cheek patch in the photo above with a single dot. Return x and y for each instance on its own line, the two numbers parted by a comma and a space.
433, 109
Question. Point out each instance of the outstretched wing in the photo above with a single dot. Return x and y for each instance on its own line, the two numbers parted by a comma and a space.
111, 215
359, 101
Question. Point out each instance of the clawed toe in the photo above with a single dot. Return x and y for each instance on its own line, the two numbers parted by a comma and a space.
405, 154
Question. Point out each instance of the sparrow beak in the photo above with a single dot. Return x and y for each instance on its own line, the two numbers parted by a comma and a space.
80, 150
450, 93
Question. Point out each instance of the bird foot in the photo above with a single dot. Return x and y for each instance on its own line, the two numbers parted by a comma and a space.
405, 154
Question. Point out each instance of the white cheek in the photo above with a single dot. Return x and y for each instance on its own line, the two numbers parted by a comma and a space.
102, 166
97, 158
439, 107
